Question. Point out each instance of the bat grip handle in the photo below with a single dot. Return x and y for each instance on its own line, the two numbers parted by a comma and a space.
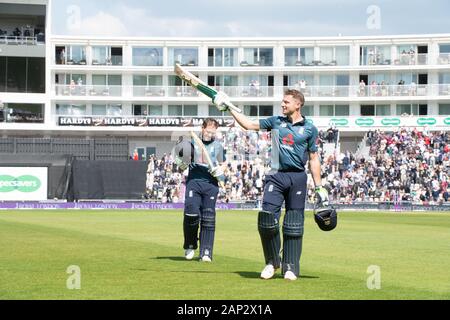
233, 107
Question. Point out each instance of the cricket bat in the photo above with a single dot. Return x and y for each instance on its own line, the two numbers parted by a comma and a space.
198, 84
200, 144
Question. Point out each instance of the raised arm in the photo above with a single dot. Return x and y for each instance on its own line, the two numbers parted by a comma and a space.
221, 100
244, 121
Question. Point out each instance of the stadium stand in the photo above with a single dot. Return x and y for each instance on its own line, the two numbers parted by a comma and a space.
404, 165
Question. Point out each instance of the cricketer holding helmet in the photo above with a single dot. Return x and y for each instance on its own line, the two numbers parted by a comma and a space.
293, 143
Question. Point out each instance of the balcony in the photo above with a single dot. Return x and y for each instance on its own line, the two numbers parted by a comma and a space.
244, 92
22, 40
112, 61
411, 59
88, 90
444, 58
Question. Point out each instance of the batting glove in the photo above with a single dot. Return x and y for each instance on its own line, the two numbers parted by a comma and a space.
321, 197
216, 172
221, 99
180, 164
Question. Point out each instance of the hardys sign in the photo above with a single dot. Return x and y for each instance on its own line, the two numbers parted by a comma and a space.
23, 183
139, 121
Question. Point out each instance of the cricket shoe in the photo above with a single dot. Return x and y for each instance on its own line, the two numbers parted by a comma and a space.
206, 259
268, 272
289, 275
189, 254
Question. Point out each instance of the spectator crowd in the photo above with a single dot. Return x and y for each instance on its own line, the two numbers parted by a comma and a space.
404, 165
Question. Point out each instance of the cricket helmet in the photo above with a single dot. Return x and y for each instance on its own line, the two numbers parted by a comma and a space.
326, 218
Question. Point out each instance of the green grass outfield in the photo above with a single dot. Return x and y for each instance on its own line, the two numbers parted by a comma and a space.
139, 255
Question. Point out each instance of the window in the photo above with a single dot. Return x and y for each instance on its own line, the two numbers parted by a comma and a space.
36, 75
406, 54
155, 110
112, 110
444, 78
444, 48
407, 77
16, 74
139, 110
22, 74
76, 55
175, 110
367, 110
100, 55
326, 55
326, 110
379, 78
307, 111
147, 110
294, 80
342, 110
265, 111
334, 110
375, 55
407, 109
99, 109
222, 57
70, 109
147, 85
183, 110
2, 74
214, 112
298, 56
183, 56
383, 110
23, 113
342, 56
444, 109
335, 55
190, 110
148, 56
258, 111
257, 57
251, 111
227, 84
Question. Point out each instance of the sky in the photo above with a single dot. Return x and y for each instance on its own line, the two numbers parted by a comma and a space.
249, 18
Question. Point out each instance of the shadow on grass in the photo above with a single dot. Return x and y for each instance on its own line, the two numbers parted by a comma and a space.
173, 258
257, 275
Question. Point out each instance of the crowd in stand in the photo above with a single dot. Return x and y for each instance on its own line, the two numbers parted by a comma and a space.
404, 165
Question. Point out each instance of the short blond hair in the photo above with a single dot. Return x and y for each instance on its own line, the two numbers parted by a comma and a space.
296, 95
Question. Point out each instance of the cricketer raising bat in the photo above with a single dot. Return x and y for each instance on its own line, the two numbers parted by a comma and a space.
200, 85
205, 153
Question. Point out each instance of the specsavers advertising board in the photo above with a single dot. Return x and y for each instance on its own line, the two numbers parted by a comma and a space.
23, 183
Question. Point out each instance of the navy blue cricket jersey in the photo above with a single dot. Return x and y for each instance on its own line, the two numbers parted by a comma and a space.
291, 143
198, 170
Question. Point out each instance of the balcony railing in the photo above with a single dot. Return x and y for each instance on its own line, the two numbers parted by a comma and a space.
444, 58
88, 90
113, 61
21, 40
239, 92
401, 60
411, 59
